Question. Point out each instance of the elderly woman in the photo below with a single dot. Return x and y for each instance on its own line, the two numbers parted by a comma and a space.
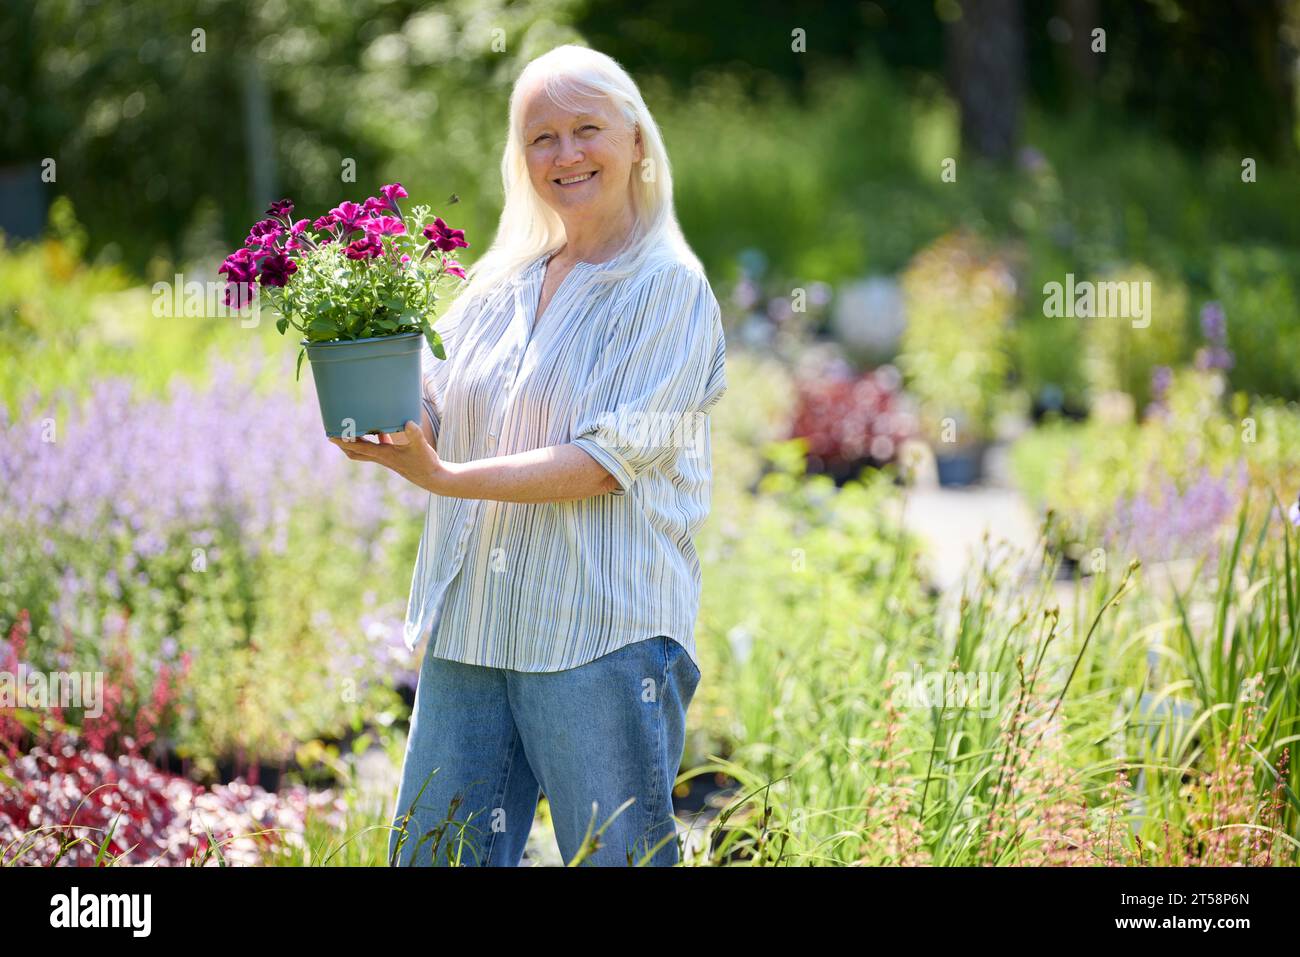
566, 445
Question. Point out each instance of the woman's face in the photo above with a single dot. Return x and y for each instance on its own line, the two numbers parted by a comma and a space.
580, 162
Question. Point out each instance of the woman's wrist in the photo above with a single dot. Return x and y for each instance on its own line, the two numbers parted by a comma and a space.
442, 478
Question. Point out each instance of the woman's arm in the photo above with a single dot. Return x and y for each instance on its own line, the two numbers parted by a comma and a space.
557, 473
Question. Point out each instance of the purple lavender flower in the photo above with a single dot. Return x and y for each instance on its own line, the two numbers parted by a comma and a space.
105, 469
1294, 513
1213, 322
1162, 522
1214, 357
1162, 377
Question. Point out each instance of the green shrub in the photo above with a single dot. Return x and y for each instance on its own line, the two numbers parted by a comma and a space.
1259, 287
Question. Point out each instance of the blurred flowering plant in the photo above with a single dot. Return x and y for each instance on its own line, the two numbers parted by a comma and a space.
361, 270
850, 419
69, 803
1214, 326
960, 298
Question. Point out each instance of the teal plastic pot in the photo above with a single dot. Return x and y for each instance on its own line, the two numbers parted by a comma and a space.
371, 385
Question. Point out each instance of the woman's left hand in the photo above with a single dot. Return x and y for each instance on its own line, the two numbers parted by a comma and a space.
407, 453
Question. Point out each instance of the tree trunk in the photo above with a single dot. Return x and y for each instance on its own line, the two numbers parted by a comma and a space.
986, 68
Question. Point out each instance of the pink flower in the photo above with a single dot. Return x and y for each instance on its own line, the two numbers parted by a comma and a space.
453, 267
348, 216
281, 209
383, 226
374, 205
296, 238
393, 192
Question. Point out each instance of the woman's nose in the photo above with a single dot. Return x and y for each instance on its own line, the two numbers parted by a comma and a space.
570, 152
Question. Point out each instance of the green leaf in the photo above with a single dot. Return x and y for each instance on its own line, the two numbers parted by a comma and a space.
298, 368
281, 325
435, 341
322, 329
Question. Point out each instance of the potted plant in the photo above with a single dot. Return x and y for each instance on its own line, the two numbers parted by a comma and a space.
361, 284
959, 302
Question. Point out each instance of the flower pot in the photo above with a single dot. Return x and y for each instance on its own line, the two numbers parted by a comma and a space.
964, 466
371, 385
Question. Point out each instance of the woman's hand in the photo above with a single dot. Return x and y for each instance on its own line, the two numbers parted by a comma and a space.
407, 453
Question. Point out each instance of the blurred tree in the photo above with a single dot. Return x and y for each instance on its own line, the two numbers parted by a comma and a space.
148, 120
986, 66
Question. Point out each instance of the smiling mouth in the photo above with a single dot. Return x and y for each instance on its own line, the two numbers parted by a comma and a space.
574, 180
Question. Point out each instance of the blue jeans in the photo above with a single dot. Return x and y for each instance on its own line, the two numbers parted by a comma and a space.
484, 742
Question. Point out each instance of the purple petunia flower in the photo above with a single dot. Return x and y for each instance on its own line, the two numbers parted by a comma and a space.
367, 248
240, 265
282, 209
276, 269
240, 293
264, 234
453, 267
375, 205
328, 221
444, 237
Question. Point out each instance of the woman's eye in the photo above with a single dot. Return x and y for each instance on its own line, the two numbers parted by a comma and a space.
583, 129
544, 136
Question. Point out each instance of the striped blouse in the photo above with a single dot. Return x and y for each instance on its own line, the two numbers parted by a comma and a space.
626, 370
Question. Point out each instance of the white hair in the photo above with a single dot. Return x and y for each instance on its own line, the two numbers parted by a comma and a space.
528, 227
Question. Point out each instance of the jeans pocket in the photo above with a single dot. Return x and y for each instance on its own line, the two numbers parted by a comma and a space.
684, 672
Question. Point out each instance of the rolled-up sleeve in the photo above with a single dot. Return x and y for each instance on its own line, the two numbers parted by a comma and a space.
661, 372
